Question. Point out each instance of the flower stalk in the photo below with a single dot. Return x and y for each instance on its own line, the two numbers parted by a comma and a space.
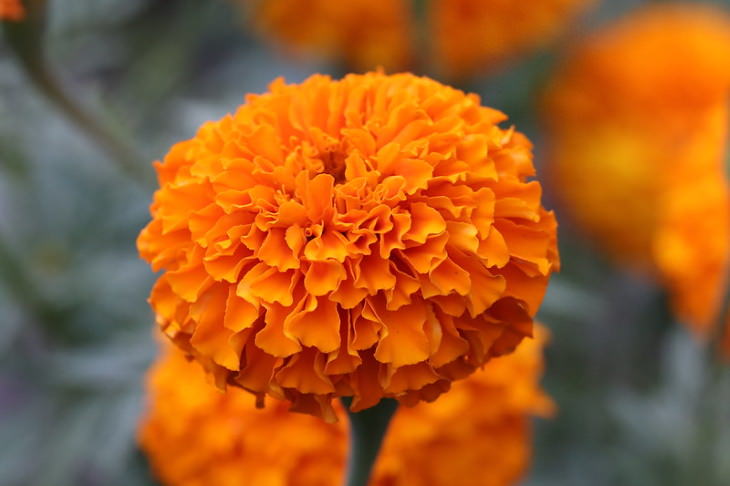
367, 431
720, 335
26, 41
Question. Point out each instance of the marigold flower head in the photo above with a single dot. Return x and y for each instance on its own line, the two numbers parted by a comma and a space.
371, 237
195, 435
470, 35
638, 125
12, 10
362, 34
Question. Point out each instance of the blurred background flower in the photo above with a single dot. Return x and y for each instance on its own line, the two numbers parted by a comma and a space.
194, 434
472, 36
359, 34
640, 401
11, 10
637, 124
455, 38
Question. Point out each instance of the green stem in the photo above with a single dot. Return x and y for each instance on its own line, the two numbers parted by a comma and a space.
20, 285
117, 150
421, 35
25, 39
367, 430
717, 333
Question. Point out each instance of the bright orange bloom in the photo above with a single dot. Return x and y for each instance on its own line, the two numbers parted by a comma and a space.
471, 35
638, 123
195, 435
12, 10
371, 237
363, 34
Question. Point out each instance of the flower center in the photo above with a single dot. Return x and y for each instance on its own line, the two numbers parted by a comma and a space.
334, 165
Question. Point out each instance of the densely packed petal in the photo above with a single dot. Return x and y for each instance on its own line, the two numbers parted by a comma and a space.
195, 435
638, 131
12, 10
373, 237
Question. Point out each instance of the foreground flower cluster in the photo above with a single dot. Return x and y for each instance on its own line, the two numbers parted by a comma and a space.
463, 36
372, 237
12, 10
477, 435
638, 123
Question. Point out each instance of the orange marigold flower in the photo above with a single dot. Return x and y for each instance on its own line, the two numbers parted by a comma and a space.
371, 237
464, 36
483, 420
12, 10
638, 124
471, 35
361, 33
193, 434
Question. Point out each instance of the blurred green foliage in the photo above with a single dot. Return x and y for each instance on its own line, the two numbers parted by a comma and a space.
640, 402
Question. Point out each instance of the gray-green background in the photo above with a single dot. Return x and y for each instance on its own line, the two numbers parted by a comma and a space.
640, 402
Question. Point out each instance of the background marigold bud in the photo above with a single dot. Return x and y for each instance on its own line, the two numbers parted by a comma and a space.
638, 131
12, 10
371, 237
193, 434
361, 33
471, 35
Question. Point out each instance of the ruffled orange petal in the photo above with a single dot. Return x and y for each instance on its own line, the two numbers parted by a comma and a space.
335, 229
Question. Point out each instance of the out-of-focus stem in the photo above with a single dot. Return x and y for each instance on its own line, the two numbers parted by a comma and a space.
367, 430
421, 33
718, 332
123, 155
20, 285
25, 39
